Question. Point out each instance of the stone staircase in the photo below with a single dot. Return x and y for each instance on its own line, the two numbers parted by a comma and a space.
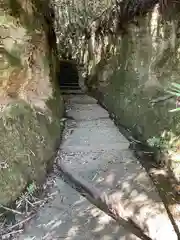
93, 148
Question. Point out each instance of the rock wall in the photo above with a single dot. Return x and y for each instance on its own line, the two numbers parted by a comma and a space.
130, 76
30, 102
128, 59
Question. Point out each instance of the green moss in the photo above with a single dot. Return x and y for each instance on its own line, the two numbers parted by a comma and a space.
124, 97
27, 143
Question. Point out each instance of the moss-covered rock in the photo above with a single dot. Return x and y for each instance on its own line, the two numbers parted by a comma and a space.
132, 80
27, 142
31, 106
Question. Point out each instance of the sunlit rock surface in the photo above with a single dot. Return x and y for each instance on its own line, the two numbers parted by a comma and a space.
94, 149
30, 106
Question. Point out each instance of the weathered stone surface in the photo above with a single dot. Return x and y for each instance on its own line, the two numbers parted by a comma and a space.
116, 172
92, 135
133, 81
82, 99
30, 106
86, 112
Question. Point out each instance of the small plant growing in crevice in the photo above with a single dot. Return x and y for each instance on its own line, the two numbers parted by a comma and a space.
31, 188
174, 89
27, 199
156, 142
166, 141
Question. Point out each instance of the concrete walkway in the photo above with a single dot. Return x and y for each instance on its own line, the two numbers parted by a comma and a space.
93, 147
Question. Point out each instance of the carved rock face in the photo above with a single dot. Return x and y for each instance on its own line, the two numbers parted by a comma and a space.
30, 107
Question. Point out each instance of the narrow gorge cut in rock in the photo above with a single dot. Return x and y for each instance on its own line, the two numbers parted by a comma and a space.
128, 69
129, 72
93, 51
96, 154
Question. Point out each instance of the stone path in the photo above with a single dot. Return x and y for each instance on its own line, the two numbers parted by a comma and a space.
93, 147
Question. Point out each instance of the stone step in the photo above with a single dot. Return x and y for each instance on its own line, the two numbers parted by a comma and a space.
120, 175
82, 99
94, 137
97, 123
91, 161
93, 148
71, 91
68, 216
85, 111
72, 86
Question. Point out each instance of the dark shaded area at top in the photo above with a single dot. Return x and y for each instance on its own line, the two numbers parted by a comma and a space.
68, 75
